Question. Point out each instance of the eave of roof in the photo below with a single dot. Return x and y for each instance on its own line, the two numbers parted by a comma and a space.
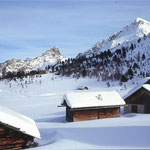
135, 89
95, 108
91, 99
18, 122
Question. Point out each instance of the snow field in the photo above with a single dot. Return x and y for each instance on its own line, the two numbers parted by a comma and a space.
40, 102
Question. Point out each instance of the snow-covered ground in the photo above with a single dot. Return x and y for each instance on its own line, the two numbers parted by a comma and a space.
39, 98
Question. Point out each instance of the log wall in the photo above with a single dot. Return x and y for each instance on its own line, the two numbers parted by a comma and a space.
109, 113
14, 140
83, 115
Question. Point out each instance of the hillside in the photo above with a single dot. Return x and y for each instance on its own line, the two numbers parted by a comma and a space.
48, 58
121, 57
129, 34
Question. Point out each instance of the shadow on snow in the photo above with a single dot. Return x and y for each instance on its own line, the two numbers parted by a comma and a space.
121, 136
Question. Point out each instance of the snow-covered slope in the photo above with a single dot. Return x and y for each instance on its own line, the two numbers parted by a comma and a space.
50, 57
122, 56
40, 101
138, 29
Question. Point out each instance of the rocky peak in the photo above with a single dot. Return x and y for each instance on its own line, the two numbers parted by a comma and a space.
141, 21
48, 58
28, 59
142, 27
138, 29
12, 61
56, 50
52, 51
97, 45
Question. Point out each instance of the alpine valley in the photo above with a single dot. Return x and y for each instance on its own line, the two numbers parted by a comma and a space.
125, 56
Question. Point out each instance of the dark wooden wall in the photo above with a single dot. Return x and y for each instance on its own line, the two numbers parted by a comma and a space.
14, 140
142, 97
81, 115
85, 115
69, 114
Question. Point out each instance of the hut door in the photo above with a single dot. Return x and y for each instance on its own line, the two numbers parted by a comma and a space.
134, 108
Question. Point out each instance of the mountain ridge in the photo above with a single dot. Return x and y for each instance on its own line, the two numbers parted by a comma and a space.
137, 29
48, 58
121, 57
123, 61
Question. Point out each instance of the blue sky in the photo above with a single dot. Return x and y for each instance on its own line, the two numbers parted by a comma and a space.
30, 27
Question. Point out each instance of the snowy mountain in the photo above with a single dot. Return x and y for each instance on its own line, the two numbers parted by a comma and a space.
129, 34
48, 58
122, 56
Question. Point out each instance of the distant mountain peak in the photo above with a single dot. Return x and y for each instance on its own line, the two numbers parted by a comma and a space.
138, 29
141, 21
53, 51
55, 47
48, 58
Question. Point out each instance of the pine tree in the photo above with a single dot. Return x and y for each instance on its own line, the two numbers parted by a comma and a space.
84, 73
132, 47
139, 40
143, 56
124, 52
124, 78
130, 73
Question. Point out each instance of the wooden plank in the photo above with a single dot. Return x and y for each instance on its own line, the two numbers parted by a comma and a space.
85, 115
13, 140
82, 115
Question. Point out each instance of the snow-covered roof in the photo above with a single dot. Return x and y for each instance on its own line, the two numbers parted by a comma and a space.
145, 86
81, 87
93, 99
144, 80
18, 122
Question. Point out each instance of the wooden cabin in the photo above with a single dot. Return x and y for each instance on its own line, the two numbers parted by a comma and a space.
138, 99
82, 88
92, 105
16, 131
44, 71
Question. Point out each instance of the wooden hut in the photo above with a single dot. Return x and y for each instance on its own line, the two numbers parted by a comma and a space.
92, 105
44, 71
16, 131
138, 99
82, 88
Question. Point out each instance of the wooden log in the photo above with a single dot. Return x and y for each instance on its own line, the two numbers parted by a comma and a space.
14, 140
